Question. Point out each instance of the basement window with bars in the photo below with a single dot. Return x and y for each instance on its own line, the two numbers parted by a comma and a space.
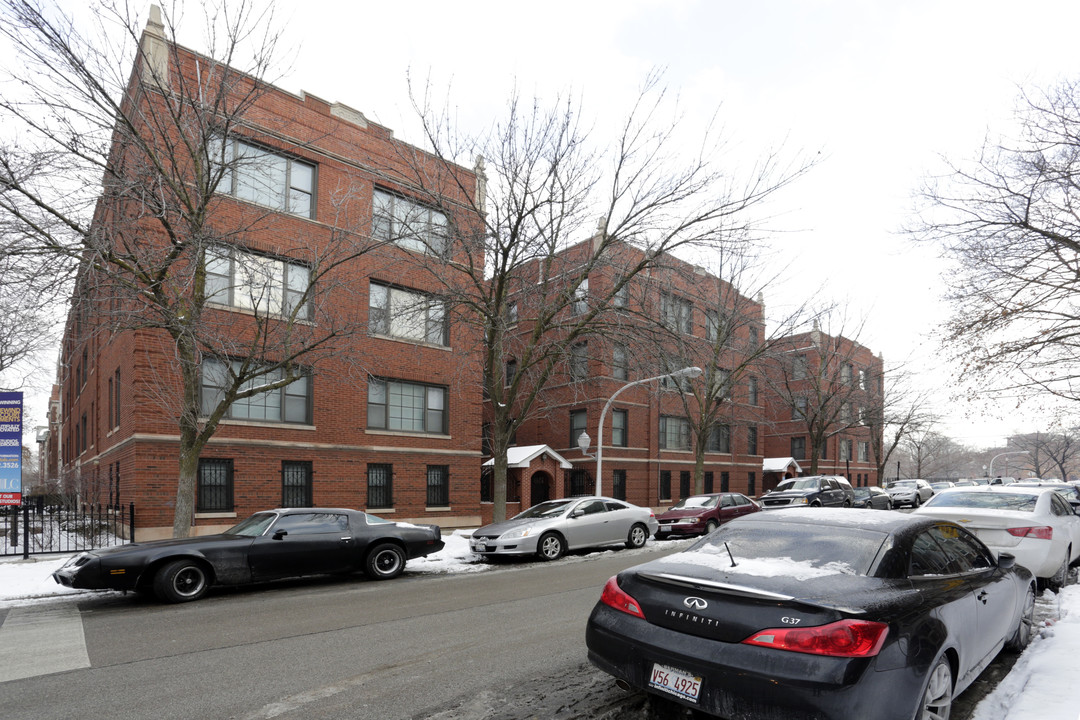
438, 485
214, 492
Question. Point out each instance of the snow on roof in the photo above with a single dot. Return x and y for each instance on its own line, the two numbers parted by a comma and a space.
522, 455
779, 464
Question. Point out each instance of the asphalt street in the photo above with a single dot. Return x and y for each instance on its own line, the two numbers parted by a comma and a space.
507, 644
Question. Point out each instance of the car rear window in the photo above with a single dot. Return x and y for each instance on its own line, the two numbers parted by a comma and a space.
986, 501
816, 546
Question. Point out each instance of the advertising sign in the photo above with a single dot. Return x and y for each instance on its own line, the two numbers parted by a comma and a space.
11, 426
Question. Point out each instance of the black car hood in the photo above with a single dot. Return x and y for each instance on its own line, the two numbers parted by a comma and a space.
193, 543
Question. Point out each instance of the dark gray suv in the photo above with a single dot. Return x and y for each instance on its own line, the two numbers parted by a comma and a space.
813, 491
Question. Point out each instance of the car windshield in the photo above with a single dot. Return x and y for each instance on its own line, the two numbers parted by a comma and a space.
852, 547
698, 501
862, 492
985, 501
254, 526
904, 484
544, 510
797, 485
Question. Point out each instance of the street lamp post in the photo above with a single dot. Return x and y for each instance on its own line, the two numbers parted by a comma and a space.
1014, 452
583, 439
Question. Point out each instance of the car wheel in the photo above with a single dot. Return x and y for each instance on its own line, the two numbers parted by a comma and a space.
181, 581
1022, 635
888, 504
550, 547
815, 504
847, 503
937, 697
384, 562
1059, 578
710, 526
916, 502
637, 537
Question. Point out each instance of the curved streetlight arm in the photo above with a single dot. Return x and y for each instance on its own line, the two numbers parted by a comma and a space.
685, 372
1014, 452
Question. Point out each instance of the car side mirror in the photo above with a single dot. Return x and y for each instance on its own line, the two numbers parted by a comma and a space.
577, 513
1006, 560
278, 534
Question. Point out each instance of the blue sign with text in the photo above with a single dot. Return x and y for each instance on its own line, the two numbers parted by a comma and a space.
11, 427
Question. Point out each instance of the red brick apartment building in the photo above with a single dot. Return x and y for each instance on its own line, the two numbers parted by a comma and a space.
817, 384
649, 430
396, 432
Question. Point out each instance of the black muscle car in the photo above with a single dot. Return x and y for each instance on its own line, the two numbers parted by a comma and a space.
282, 543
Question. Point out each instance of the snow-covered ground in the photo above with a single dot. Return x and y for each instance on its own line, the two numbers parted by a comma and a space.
1039, 686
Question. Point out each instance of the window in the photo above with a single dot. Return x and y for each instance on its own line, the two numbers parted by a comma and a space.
684, 483
665, 485
708, 481
438, 485
296, 488
725, 482
511, 373
411, 407
752, 391
618, 484
620, 366
845, 413
579, 362
674, 433
676, 313
579, 483
864, 452
116, 400
846, 373
719, 439
578, 419
798, 448
846, 449
380, 485
580, 305
621, 298
407, 314
215, 490
751, 481
511, 313
864, 380
321, 523
712, 325
799, 411
799, 367
487, 494
408, 224
291, 403
269, 179
751, 441
618, 428
754, 339
259, 283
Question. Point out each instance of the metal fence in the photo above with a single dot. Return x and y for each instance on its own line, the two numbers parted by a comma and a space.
37, 528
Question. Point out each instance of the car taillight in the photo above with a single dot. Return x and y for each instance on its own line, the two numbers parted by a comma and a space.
614, 596
1036, 533
845, 638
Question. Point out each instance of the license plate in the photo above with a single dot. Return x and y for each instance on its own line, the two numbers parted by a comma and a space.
480, 547
676, 682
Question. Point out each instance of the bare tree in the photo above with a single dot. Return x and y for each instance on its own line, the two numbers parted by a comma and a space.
814, 378
526, 284
1008, 220
1049, 453
116, 182
902, 412
932, 454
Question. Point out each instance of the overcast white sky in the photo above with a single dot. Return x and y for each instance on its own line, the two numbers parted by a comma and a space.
880, 88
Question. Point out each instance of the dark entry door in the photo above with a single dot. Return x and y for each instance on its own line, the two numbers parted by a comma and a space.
541, 488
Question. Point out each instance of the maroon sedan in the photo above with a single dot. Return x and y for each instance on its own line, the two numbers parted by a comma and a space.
701, 514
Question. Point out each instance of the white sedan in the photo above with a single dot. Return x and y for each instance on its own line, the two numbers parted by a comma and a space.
1034, 524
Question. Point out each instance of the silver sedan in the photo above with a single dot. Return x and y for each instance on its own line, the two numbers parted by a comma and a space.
553, 527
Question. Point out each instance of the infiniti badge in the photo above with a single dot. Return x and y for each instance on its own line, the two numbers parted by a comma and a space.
695, 603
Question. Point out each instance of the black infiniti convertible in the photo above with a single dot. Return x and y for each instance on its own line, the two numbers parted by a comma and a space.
282, 543
816, 615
